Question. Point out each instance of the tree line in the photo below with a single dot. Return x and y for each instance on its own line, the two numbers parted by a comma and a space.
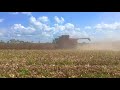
16, 41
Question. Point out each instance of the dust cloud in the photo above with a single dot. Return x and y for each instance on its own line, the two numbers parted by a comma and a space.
104, 45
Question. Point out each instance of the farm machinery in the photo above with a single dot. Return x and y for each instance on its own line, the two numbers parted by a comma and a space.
65, 41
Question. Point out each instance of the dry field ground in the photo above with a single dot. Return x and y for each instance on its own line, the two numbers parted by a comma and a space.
59, 64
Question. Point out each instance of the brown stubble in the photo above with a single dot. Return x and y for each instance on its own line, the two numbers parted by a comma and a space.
59, 63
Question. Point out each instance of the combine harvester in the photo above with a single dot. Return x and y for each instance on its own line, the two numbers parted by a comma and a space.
64, 42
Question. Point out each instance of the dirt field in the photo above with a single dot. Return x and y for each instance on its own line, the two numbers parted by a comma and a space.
59, 63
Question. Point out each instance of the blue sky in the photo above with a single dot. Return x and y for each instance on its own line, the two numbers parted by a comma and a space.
45, 26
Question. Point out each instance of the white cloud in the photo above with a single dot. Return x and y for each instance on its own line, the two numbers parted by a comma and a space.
69, 29
22, 29
14, 13
77, 29
18, 26
29, 35
27, 13
105, 31
87, 27
104, 26
35, 22
43, 19
69, 26
59, 27
1, 34
1, 20
38, 25
46, 27
42, 31
59, 20
45, 34
18, 35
